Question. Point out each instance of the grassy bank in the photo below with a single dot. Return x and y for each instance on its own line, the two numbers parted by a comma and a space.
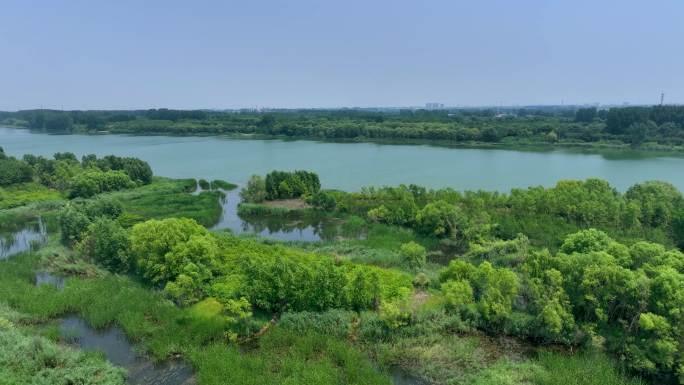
165, 198
222, 184
26, 358
26, 193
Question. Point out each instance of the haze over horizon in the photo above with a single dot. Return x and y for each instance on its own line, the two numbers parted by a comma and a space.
306, 54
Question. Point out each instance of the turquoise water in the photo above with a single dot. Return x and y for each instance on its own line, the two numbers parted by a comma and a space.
350, 166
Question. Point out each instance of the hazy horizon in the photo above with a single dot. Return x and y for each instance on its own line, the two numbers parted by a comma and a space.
333, 108
304, 54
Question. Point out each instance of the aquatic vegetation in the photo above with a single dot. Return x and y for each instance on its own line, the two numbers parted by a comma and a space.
165, 329
166, 198
23, 194
30, 359
222, 184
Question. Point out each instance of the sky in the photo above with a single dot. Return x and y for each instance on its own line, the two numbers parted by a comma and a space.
321, 54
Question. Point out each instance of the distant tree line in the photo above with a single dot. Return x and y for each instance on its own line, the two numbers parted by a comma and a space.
630, 125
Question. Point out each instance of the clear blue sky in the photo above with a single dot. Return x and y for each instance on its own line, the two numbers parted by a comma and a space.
226, 54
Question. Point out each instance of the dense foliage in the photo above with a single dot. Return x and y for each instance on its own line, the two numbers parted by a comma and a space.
64, 172
650, 209
628, 295
255, 191
13, 171
284, 185
192, 264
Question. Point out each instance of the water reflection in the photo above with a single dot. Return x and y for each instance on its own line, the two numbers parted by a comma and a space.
399, 377
13, 241
116, 348
45, 278
306, 229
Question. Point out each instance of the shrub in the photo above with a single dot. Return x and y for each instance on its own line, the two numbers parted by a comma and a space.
421, 280
440, 219
106, 241
413, 254
14, 171
136, 169
73, 223
457, 293
323, 200
94, 182
165, 249
255, 191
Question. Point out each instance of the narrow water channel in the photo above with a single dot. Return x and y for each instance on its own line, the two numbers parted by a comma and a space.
114, 344
399, 377
308, 229
112, 341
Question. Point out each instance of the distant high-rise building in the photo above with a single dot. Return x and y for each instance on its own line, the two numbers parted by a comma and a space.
434, 106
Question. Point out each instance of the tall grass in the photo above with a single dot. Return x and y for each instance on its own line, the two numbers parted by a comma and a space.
30, 359
285, 357
581, 369
25, 193
222, 184
166, 198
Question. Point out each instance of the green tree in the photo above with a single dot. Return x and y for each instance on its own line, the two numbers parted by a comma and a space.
639, 131
497, 288
324, 200
106, 241
72, 223
363, 290
678, 228
441, 219
14, 171
586, 241
585, 115
413, 254
457, 293
255, 191
658, 202
164, 249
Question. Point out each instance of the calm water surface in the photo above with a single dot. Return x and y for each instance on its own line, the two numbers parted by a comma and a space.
310, 229
25, 238
119, 351
350, 166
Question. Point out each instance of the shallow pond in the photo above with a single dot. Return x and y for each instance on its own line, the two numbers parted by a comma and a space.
399, 377
28, 236
47, 278
112, 342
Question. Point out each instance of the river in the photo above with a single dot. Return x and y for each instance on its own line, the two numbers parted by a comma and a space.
350, 166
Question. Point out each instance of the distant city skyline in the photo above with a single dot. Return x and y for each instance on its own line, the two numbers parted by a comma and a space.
306, 54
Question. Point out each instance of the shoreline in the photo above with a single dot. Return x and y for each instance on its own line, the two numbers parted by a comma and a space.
532, 146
